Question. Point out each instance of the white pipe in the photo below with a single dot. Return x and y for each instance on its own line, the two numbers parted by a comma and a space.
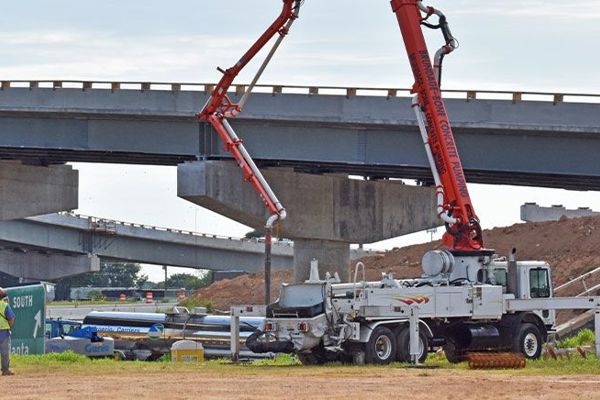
361, 265
442, 213
597, 331
281, 214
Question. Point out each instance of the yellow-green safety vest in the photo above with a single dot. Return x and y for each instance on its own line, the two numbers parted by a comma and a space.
3, 321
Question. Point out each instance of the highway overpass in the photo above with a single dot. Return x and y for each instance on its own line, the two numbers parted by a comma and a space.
535, 139
73, 236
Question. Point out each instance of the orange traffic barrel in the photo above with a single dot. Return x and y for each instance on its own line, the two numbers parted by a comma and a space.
149, 297
122, 297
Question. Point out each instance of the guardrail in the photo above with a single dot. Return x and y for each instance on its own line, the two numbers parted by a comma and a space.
108, 226
581, 278
515, 96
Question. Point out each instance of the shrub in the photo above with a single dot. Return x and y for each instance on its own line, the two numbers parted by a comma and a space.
584, 337
193, 301
96, 295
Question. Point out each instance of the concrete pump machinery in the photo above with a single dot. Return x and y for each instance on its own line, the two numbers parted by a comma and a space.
468, 300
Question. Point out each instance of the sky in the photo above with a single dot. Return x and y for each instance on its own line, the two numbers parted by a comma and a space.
504, 45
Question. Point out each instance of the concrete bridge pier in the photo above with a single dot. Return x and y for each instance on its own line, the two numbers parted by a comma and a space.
28, 190
35, 266
326, 213
332, 256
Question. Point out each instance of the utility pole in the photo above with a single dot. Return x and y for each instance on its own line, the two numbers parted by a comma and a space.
165, 269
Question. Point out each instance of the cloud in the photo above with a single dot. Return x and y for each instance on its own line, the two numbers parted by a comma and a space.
565, 11
74, 54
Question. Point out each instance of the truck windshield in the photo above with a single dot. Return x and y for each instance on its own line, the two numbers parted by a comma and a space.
539, 283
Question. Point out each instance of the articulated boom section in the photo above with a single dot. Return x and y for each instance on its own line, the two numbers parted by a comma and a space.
219, 107
454, 203
219, 102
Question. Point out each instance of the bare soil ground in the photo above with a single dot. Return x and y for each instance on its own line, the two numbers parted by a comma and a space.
296, 383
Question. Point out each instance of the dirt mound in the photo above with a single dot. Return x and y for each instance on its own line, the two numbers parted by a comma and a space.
570, 246
244, 289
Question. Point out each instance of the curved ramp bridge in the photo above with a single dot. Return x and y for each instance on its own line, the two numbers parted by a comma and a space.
57, 245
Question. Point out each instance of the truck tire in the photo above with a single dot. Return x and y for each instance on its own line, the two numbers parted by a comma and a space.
453, 354
317, 356
312, 358
381, 347
528, 341
403, 343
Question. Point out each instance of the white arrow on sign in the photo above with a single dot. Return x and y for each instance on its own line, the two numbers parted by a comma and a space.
38, 323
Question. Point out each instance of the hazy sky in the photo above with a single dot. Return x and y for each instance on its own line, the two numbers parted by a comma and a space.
508, 45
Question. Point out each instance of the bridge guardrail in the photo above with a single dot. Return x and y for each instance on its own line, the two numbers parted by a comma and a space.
101, 224
468, 94
108, 227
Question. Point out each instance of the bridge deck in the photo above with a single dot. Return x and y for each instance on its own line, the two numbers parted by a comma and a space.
549, 143
66, 233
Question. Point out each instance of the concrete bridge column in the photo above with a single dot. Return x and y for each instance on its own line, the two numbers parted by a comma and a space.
32, 265
332, 256
326, 213
27, 190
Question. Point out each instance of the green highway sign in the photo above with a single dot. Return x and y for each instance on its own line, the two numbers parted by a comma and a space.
29, 305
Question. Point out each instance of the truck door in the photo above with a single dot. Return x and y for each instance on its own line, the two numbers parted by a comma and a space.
538, 285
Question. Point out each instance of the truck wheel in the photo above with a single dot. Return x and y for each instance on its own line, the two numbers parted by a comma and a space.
528, 341
403, 342
381, 347
317, 356
453, 354
311, 359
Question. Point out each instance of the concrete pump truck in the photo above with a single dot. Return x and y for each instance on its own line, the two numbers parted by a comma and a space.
468, 300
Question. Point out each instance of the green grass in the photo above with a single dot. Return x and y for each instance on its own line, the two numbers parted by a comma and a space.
286, 364
576, 365
584, 337
573, 366
281, 360
193, 301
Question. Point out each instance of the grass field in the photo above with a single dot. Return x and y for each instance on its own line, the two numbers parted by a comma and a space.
74, 363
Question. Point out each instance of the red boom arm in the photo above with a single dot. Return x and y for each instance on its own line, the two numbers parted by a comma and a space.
455, 208
219, 107
219, 101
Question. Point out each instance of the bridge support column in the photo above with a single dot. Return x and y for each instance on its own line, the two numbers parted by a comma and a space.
332, 256
27, 190
325, 212
34, 266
